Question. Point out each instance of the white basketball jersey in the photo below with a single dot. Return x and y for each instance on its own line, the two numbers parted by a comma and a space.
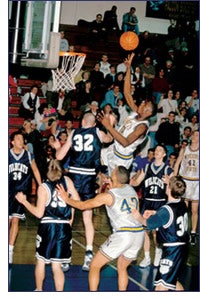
189, 168
119, 213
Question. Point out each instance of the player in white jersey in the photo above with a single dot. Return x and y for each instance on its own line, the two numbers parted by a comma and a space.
187, 165
128, 235
132, 133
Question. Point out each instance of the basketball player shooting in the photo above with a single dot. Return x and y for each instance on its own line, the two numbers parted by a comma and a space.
132, 133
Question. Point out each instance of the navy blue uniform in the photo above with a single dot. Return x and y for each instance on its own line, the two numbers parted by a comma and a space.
172, 223
20, 174
54, 236
154, 188
85, 160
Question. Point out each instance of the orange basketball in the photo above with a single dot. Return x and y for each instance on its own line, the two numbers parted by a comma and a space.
129, 40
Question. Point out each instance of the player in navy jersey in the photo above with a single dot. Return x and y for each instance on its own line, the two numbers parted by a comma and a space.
21, 166
153, 195
171, 220
85, 144
54, 235
127, 237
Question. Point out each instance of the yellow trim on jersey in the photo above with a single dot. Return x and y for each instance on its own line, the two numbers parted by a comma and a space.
189, 178
141, 228
122, 156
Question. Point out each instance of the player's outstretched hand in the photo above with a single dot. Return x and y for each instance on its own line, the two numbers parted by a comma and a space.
103, 119
128, 60
61, 192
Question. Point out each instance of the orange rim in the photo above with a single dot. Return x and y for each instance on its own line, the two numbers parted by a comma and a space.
63, 53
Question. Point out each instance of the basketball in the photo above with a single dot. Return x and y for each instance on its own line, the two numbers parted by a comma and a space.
129, 40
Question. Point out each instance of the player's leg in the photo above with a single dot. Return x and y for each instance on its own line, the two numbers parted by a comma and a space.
13, 232
39, 274
122, 265
58, 275
97, 263
89, 235
194, 220
147, 259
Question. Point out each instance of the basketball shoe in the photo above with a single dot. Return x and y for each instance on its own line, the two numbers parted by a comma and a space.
88, 258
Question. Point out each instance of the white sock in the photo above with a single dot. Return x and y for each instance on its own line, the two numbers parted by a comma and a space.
158, 250
89, 248
11, 248
147, 254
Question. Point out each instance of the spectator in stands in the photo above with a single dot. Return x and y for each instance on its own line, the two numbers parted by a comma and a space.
93, 108
98, 30
110, 20
119, 81
85, 95
187, 69
167, 104
160, 85
145, 47
80, 85
148, 72
169, 134
193, 103
137, 79
110, 78
170, 74
62, 137
33, 139
47, 90
30, 104
123, 112
172, 55
130, 21
46, 121
186, 135
172, 34
62, 103
172, 159
69, 126
178, 97
98, 81
64, 44
112, 96
104, 65
140, 162
182, 119
194, 122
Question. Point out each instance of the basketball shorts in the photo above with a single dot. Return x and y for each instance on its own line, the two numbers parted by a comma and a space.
54, 242
16, 209
151, 205
127, 244
84, 184
171, 266
192, 190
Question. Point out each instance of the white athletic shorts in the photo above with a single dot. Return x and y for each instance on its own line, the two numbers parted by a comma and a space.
127, 244
192, 190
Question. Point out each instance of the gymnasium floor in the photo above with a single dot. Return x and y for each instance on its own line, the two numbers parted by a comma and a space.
21, 272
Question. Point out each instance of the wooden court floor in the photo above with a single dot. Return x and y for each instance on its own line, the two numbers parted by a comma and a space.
140, 278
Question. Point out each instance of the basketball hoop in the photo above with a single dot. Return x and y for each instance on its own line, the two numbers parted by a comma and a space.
71, 64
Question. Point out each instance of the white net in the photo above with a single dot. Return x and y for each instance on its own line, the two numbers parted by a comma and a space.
63, 78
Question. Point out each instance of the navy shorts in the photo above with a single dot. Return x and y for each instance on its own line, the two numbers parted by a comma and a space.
151, 205
54, 242
171, 265
85, 185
